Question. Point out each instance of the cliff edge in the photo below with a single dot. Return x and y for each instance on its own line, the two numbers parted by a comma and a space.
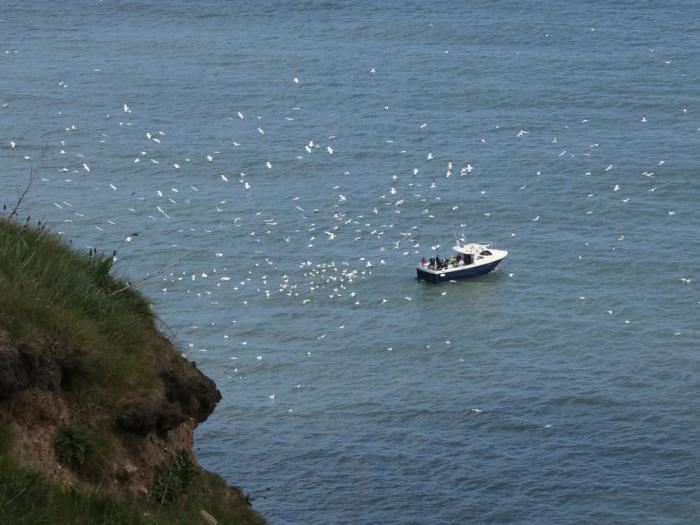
97, 408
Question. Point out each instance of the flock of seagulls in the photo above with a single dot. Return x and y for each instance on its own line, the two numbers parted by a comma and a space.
354, 235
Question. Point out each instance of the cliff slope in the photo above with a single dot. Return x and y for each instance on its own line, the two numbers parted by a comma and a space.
97, 409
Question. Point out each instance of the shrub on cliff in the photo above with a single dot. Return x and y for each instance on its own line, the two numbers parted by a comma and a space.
82, 449
173, 480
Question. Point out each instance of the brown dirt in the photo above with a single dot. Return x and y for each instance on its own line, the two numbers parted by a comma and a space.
145, 436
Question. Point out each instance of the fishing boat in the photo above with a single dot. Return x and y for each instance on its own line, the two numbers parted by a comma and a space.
470, 259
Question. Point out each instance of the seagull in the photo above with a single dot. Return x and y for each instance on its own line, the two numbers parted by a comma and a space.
240, 115
296, 80
268, 164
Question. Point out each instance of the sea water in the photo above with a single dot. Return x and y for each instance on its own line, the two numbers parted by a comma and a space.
561, 388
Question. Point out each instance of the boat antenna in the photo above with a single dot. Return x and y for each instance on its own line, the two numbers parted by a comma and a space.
461, 231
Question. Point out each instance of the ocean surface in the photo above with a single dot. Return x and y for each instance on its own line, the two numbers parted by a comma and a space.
562, 388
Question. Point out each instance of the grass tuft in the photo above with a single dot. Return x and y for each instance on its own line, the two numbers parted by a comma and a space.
82, 449
174, 479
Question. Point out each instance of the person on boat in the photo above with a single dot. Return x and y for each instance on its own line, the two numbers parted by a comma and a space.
424, 262
453, 261
432, 263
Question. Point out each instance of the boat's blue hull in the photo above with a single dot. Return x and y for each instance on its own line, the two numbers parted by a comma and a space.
458, 274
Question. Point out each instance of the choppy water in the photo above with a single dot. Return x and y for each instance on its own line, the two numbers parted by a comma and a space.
562, 388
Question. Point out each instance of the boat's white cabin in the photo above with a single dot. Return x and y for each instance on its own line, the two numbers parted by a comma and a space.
471, 248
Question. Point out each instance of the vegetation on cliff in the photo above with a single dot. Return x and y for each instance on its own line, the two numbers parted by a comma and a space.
97, 409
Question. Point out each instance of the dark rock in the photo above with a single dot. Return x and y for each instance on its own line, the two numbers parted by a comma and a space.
188, 394
13, 375
169, 416
43, 369
25, 366
196, 394
139, 419
149, 416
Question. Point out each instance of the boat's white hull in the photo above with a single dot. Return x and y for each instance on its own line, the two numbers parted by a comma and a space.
482, 265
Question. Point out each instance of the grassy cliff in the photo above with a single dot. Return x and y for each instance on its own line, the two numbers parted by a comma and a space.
97, 409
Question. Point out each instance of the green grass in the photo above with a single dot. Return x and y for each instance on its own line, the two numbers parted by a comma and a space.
26, 498
56, 297
102, 332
